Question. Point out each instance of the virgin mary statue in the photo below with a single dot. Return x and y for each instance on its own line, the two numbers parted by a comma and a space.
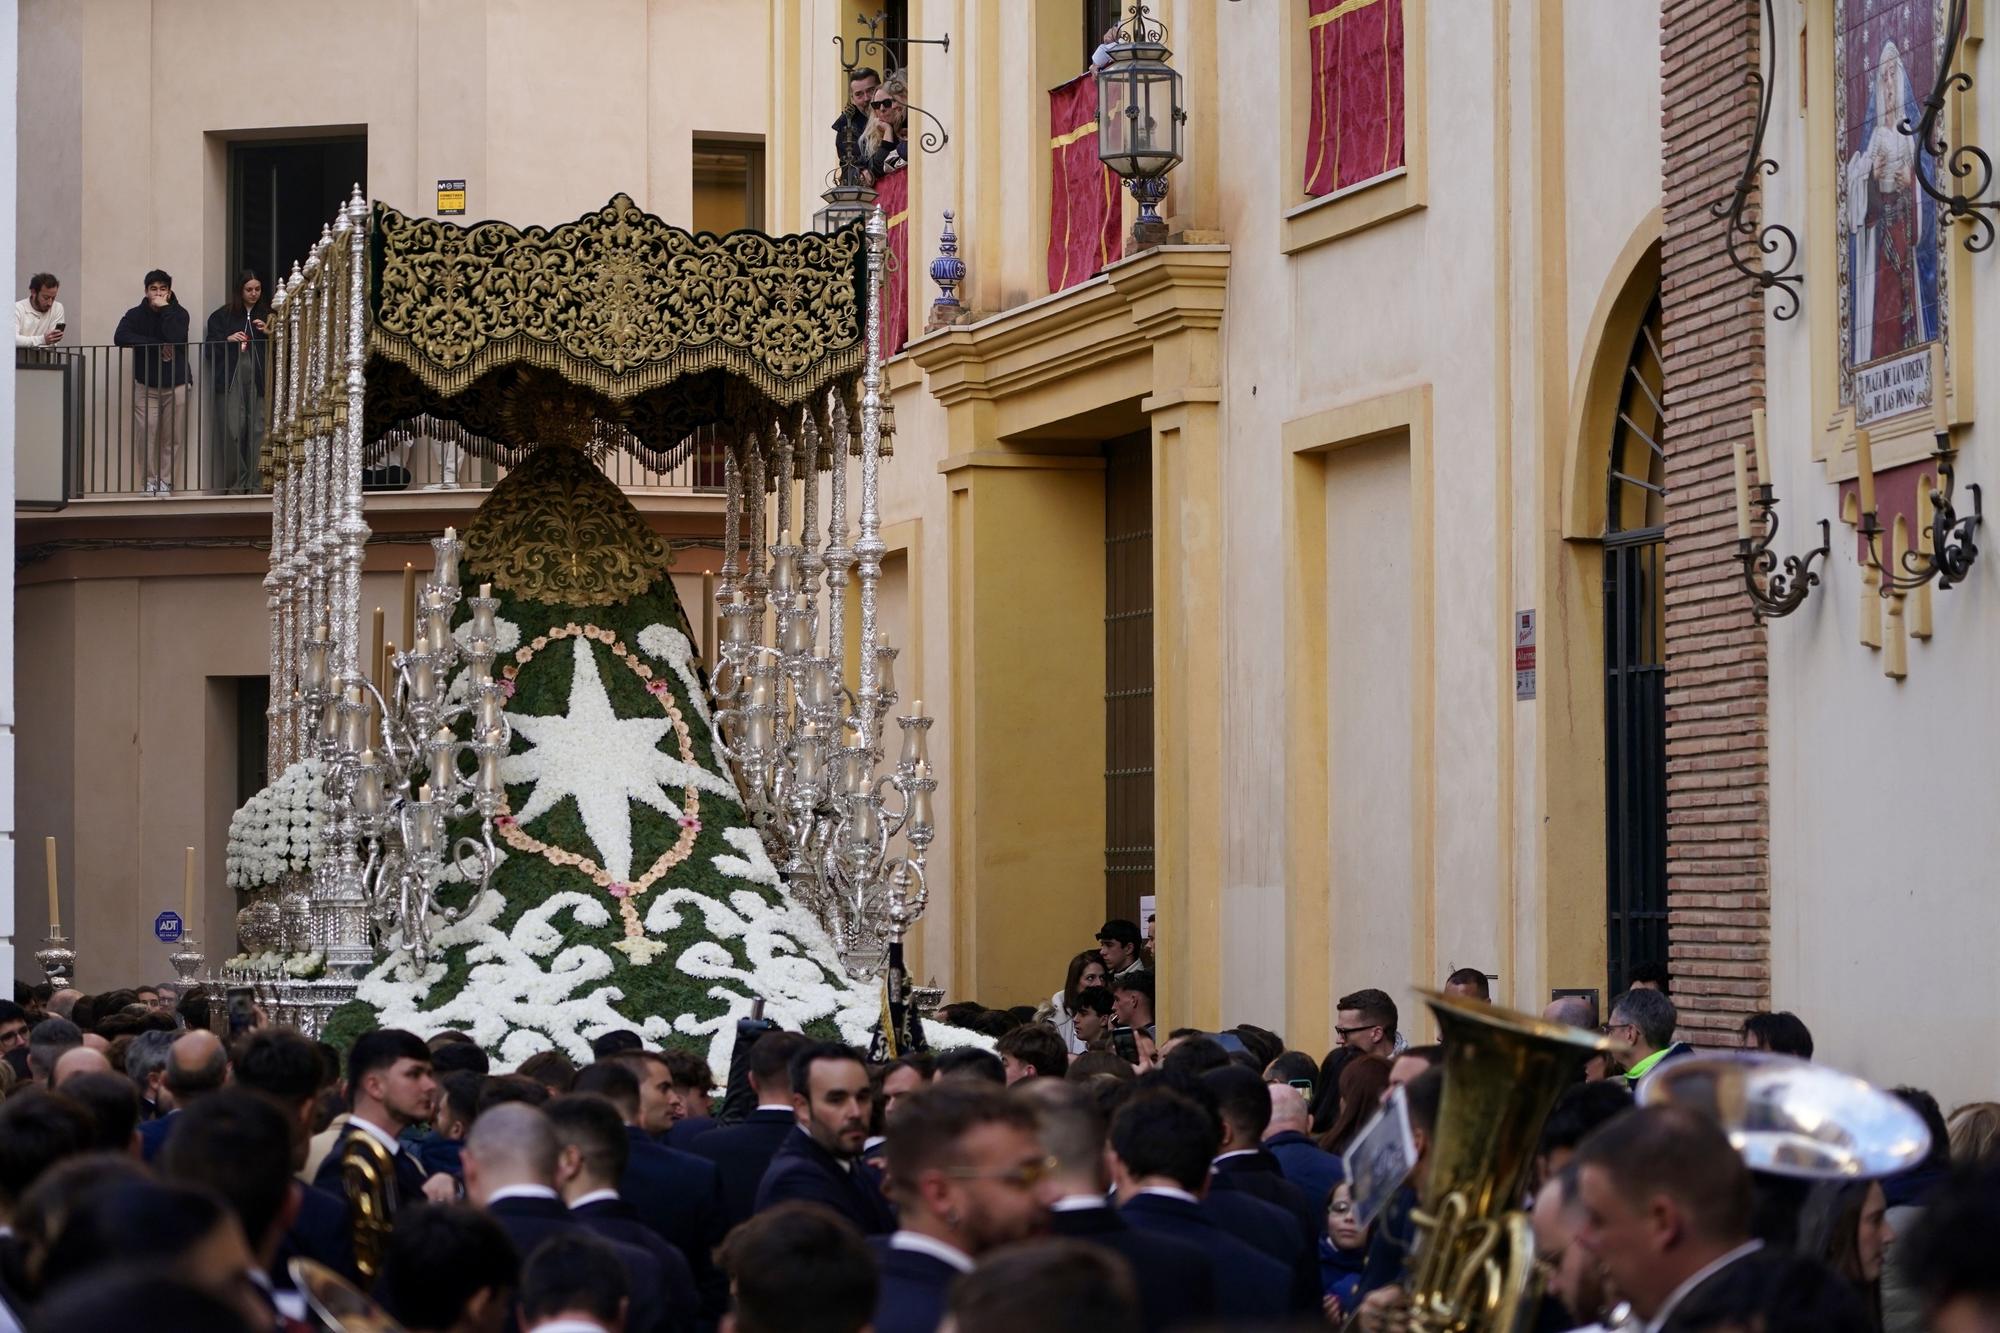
1892, 245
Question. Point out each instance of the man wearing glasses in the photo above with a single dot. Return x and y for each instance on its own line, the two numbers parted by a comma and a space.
1645, 1021
969, 1175
1366, 1020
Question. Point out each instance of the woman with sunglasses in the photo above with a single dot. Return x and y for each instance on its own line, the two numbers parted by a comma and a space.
1343, 1253
885, 144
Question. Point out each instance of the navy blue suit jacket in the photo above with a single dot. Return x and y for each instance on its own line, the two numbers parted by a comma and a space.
529, 1222
801, 1169
1250, 1284
1260, 1176
319, 1232
615, 1219
1312, 1168
1275, 1232
153, 1134
1176, 1279
679, 1196
742, 1154
682, 1133
914, 1289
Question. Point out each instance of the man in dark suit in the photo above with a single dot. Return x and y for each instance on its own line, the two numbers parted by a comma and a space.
820, 1161
694, 1085
1244, 1164
969, 1171
510, 1168
1312, 1168
590, 1161
1053, 1286
283, 1067
1176, 1280
743, 1152
390, 1087
675, 1193
1161, 1145
197, 1065
1666, 1207
797, 1266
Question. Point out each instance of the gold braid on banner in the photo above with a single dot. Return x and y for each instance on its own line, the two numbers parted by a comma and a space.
662, 330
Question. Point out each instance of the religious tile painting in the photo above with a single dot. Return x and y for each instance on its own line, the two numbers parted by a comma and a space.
1893, 301
1354, 129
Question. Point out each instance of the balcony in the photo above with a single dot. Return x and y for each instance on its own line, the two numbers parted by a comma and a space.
93, 436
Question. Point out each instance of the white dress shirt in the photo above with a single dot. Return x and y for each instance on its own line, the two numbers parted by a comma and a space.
1678, 1294
31, 326
918, 1243
595, 1196
1167, 1192
522, 1192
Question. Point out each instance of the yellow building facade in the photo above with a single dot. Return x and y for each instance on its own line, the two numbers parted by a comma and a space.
1377, 427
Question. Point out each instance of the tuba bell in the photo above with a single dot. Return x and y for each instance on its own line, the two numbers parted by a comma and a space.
368, 1179
339, 1305
1472, 1262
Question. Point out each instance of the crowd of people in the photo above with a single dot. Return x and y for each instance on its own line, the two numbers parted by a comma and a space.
1087, 1173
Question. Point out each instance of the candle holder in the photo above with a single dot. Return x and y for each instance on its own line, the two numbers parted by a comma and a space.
1774, 591
1953, 550
188, 961
57, 959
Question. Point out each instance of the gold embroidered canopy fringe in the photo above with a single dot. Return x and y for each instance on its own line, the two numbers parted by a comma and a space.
654, 330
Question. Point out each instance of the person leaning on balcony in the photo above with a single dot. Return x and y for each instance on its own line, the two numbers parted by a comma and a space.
885, 146
853, 119
38, 316
233, 346
157, 328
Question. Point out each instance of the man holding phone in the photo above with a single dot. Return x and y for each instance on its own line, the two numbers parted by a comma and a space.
38, 317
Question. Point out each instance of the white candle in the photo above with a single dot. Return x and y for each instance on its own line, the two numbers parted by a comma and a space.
1742, 497
49, 851
1764, 477
1864, 470
1940, 420
188, 886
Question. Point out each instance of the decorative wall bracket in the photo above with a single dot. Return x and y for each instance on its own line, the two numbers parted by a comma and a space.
1952, 549
1970, 168
1775, 590
895, 53
1773, 240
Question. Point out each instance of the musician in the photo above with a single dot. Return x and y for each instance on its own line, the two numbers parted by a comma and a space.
1666, 1204
1574, 1279
390, 1087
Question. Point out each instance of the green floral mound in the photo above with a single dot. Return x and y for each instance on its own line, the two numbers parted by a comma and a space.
632, 892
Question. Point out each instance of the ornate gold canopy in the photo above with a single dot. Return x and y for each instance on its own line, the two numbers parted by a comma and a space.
648, 327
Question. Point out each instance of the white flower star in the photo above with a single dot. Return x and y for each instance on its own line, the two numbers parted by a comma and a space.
605, 761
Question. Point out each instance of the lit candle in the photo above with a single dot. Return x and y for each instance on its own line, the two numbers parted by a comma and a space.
1864, 470
409, 602
187, 885
49, 851
485, 590
1742, 497
1940, 421
1764, 477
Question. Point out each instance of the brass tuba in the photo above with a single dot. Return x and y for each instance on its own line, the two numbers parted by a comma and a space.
1472, 1263
340, 1306
368, 1178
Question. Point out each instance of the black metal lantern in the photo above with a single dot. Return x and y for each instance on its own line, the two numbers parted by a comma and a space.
845, 205
1140, 118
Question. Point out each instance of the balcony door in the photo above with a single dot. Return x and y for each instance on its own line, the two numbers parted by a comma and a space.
281, 192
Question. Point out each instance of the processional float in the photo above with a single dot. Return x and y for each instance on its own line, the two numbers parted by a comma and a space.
617, 332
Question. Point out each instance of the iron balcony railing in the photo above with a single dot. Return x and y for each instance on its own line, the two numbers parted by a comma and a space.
105, 422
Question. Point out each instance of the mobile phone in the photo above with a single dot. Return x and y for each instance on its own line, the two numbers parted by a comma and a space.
1125, 1045
61, 324
242, 1009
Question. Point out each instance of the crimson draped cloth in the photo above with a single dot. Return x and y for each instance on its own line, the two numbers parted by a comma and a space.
892, 196
1085, 232
1356, 128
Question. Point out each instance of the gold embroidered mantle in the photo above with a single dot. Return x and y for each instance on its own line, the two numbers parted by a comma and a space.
667, 330
557, 530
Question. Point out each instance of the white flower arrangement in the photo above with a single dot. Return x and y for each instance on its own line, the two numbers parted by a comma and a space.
278, 829
270, 963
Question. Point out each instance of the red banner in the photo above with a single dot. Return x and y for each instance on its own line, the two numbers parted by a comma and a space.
892, 196
1085, 219
1356, 128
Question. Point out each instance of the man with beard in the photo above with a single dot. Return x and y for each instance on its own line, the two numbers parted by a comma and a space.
970, 1176
820, 1162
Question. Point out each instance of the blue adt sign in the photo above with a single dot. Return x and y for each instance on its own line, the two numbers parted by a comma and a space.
167, 925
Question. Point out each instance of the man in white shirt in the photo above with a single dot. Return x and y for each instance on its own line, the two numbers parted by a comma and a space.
1666, 1207
38, 317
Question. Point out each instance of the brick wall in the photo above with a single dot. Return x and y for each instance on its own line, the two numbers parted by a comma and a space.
1718, 821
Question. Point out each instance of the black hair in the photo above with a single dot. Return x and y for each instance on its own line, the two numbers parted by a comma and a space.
688, 1069
1095, 999
1039, 1047
808, 1055
1473, 977
1782, 1033
129, 1295
573, 1270
41, 280
277, 1062
1375, 1006
595, 1128
461, 1093
770, 1059
499, 1089
616, 1042
1242, 1100
141, 1220
1649, 973
927, 1126
800, 1268
381, 1049
12, 1013
1948, 1254
1262, 1043
1140, 980
1197, 1055
861, 72
1294, 1066
1932, 1114
1581, 1108
1053, 1286
440, 1256
1162, 1133
159, 275
451, 1057
971, 1062
38, 1128
239, 1145
613, 1080
112, 1101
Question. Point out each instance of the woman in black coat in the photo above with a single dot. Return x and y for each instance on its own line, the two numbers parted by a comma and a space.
234, 344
